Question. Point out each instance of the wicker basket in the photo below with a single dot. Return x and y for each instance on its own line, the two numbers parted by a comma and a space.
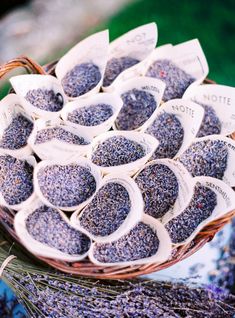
86, 268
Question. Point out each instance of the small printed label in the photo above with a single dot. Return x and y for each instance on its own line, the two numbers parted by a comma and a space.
221, 98
151, 88
184, 109
217, 99
223, 193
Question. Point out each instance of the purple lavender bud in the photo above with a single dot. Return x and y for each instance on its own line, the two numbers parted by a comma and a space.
107, 210
138, 106
217, 292
206, 158
116, 66
201, 206
91, 115
176, 79
48, 227
211, 124
16, 179
81, 79
15, 136
58, 133
116, 151
45, 99
66, 186
159, 187
168, 130
140, 242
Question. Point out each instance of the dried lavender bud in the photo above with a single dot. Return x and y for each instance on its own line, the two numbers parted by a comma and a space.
15, 136
140, 242
139, 302
91, 115
55, 295
159, 187
176, 79
107, 210
168, 130
206, 158
47, 226
58, 133
45, 99
66, 186
16, 179
81, 79
138, 106
200, 208
211, 124
116, 66
116, 151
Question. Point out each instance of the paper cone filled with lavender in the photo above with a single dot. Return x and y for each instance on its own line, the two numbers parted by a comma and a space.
120, 156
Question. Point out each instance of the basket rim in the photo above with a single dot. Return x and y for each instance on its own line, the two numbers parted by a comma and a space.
85, 267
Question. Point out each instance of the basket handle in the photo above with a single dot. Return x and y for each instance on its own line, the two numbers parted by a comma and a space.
21, 61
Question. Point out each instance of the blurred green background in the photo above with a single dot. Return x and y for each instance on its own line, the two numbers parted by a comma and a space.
212, 22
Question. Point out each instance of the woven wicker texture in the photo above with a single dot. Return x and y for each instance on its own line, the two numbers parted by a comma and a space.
86, 268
